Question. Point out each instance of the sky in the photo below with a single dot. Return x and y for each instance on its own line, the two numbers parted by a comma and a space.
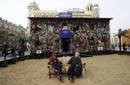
16, 10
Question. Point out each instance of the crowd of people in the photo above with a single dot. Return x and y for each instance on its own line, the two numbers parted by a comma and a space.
85, 37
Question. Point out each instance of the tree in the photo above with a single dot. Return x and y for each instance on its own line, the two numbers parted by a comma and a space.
22, 45
23, 39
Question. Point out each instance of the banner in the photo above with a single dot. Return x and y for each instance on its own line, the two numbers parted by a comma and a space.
65, 14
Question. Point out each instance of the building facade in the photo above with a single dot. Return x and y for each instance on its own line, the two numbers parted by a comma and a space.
10, 32
89, 30
126, 38
91, 10
114, 39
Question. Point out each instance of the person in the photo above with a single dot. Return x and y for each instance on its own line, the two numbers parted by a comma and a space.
52, 58
5, 52
75, 68
129, 47
57, 66
13, 51
65, 35
124, 47
21, 50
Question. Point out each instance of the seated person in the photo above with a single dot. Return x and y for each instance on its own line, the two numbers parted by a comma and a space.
56, 66
75, 68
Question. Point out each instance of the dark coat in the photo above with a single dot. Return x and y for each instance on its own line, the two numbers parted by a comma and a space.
75, 61
75, 67
57, 66
5, 50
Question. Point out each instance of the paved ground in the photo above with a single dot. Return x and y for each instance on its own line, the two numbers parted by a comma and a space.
101, 70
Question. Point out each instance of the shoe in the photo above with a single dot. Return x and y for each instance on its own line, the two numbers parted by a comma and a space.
72, 80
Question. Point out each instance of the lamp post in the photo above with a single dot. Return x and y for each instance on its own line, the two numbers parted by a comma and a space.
119, 36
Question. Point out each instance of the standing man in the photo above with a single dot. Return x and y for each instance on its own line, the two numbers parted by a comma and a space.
65, 35
21, 50
124, 47
5, 53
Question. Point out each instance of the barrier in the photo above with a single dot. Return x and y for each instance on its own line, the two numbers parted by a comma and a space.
13, 60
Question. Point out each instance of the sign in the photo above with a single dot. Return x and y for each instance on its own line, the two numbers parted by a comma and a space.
65, 14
